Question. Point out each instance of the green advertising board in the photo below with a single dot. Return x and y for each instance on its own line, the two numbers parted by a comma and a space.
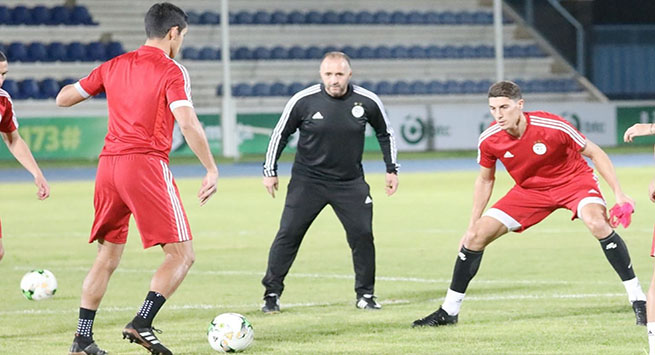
627, 116
61, 138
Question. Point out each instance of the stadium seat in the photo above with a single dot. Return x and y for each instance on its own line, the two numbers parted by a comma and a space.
330, 18
296, 52
244, 18
314, 18
434, 52
21, 15
294, 87
279, 53
5, 15
193, 18
415, 18
452, 87
261, 53
279, 18
365, 18
37, 52
242, 90
11, 86
382, 18
209, 53
468, 87
436, 87
367, 85
447, 18
41, 15
383, 52
242, 53
210, 18
483, 51
417, 52
95, 51
261, 89
398, 18
383, 88
464, 18
449, 51
466, 52
314, 52
56, 52
76, 52
67, 81
366, 52
348, 18
351, 51
483, 18
16, 52
261, 18
483, 86
534, 51
418, 88
296, 18
431, 18
28, 89
60, 15
190, 53
278, 89
81, 16
114, 49
399, 52
49, 88
401, 88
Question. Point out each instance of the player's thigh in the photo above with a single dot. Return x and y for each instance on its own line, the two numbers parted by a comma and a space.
583, 191
112, 215
148, 188
521, 208
353, 205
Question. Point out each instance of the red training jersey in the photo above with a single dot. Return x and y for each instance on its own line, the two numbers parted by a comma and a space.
545, 156
8, 122
143, 87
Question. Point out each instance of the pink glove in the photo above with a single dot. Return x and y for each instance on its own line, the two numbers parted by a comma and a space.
621, 214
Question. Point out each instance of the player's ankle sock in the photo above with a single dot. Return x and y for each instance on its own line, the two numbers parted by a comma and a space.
151, 305
466, 266
84, 333
633, 288
650, 326
453, 302
617, 254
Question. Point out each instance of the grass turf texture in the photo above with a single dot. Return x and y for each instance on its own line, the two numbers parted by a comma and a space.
548, 290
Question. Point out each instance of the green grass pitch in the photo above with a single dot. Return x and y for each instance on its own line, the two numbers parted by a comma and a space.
546, 291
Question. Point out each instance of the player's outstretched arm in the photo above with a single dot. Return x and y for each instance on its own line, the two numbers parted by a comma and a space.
604, 165
197, 141
482, 189
22, 153
638, 129
68, 96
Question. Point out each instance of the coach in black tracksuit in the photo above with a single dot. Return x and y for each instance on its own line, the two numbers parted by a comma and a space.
331, 118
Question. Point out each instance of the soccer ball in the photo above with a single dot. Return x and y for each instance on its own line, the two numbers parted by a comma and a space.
230, 332
38, 285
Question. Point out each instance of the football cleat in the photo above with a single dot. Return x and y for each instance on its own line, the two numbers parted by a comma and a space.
435, 319
367, 302
640, 312
146, 338
271, 303
91, 349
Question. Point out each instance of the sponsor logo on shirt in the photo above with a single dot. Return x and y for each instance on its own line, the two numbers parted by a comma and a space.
508, 154
317, 116
357, 110
539, 148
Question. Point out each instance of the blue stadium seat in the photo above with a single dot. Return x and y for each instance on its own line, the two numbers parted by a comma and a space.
60, 15
384, 88
365, 18
242, 90
294, 87
209, 53
114, 49
330, 18
242, 53
449, 51
210, 18
190, 53
5, 15
21, 15
483, 51
382, 52
66, 81
399, 52
219, 90
415, 18
262, 18
314, 17
41, 15
37, 52
365, 52
296, 17
96, 51
398, 18
76, 52
418, 88
244, 18
351, 51
431, 18
329, 49
11, 86
417, 52
483, 18
367, 85
466, 51
49, 88
56, 52
401, 88
261, 89
464, 18
436, 87
452, 87
468, 87
313, 52
279, 18
571, 85
534, 51
483, 86
278, 89
296, 52
279, 52
81, 16
447, 18
193, 18
28, 89
515, 51
434, 52
261, 53
382, 17
348, 18
17, 52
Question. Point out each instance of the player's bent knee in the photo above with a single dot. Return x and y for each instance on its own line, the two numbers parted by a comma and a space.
598, 226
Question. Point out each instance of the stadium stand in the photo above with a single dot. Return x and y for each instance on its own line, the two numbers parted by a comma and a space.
412, 51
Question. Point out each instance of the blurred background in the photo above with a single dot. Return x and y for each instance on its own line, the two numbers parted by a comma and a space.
430, 61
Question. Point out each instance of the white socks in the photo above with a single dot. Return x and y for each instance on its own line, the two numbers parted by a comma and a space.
453, 302
635, 293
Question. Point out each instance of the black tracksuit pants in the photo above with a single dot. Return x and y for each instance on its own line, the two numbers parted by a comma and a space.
306, 197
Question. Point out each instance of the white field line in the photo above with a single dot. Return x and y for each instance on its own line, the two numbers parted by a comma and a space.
336, 276
185, 307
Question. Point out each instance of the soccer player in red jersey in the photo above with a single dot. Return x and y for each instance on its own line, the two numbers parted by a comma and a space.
636, 130
15, 143
543, 154
147, 91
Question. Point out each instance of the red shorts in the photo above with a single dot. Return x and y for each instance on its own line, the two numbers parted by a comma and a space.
522, 208
142, 185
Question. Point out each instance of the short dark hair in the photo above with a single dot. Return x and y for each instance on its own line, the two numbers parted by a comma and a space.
336, 54
3, 57
162, 17
507, 89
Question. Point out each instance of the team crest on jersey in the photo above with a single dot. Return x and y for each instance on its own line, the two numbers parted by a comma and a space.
357, 110
539, 148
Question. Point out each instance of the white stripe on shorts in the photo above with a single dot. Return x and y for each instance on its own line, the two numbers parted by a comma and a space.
180, 223
503, 218
588, 200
